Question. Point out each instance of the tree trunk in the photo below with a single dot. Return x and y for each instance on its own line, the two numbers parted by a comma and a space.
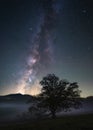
53, 113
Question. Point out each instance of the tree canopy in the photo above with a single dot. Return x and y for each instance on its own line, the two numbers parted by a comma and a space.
58, 94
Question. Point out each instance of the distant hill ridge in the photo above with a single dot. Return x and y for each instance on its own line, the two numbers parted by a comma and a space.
15, 98
18, 97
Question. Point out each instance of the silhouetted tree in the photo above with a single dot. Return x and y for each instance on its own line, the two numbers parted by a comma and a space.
58, 94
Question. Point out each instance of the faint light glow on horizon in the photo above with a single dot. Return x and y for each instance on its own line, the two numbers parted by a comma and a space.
36, 89
31, 89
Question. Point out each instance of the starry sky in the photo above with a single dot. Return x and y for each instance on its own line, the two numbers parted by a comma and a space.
45, 36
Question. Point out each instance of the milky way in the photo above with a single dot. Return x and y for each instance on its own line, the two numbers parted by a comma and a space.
40, 55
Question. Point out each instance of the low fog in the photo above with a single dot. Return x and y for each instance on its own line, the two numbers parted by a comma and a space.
17, 111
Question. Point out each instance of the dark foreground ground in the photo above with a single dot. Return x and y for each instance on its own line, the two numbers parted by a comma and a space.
78, 122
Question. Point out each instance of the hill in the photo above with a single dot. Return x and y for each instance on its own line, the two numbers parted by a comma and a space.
16, 98
23, 98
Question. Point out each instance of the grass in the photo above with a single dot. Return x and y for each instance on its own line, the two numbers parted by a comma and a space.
80, 122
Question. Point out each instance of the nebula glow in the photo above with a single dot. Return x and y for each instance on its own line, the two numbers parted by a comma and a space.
41, 53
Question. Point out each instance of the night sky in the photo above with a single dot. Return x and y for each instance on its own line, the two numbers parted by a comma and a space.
38, 37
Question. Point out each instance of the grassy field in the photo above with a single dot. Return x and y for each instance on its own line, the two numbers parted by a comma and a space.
80, 122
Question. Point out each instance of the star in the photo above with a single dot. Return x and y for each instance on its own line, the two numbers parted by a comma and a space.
31, 29
89, 48
84, 11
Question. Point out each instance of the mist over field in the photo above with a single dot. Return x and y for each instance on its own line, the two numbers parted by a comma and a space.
11, 111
